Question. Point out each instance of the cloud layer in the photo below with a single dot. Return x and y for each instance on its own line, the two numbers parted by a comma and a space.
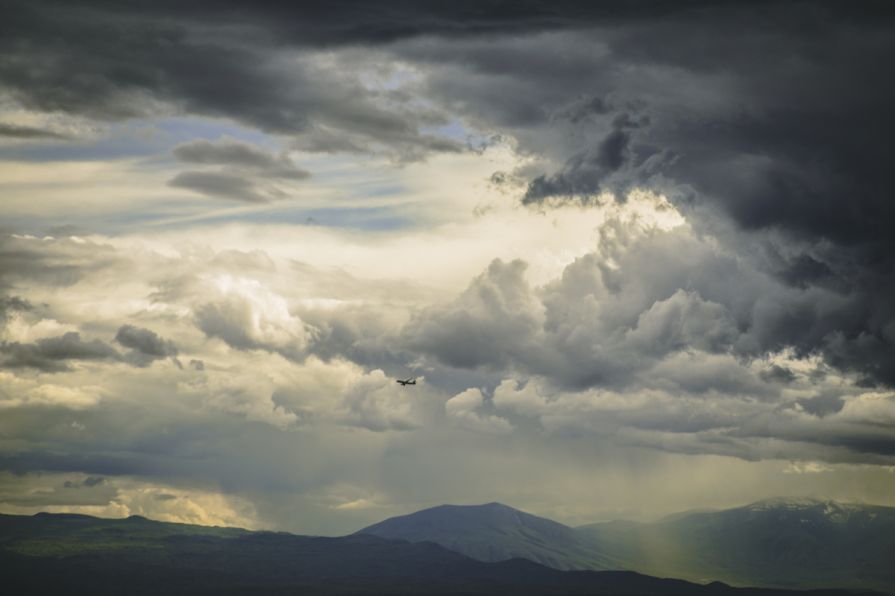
644, 242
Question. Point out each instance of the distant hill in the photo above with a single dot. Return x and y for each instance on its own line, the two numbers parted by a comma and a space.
777, 542
75, 554
495, 532
799, 543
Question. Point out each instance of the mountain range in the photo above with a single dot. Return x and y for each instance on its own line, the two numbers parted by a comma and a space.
486, 549
495, 532
784, 543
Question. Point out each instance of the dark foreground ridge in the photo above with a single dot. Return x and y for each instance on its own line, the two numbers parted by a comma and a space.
77, 554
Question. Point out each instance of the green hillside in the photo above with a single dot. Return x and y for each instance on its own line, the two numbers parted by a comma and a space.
65, 534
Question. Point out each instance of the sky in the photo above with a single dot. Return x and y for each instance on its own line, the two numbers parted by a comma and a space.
637, 255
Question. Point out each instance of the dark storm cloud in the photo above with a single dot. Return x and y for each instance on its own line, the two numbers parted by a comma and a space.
50, 354
623, 316
145, 341
494, 323
247, 172
611, 165
823, 404
804, 270
113, 62
779, 125
233, 153
241, 323
767, 124
776, 141
220, 185
9, 304
779, 374
320, 23
88, 482
91, 463
363, 335
742, 427
51, 261
146, 345
29, 132
93, 490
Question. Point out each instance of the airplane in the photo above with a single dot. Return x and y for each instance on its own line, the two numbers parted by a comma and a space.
406, 382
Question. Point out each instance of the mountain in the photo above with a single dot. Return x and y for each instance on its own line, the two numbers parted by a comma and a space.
795, 543
77, 554
495, 532
777, 542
